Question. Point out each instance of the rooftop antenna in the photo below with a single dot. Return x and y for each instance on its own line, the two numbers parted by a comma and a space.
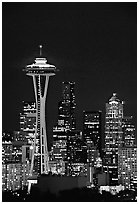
40, 46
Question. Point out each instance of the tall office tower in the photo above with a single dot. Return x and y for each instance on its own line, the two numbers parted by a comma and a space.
15, 164
113, 136
14, 176
17, 152
128, 132
40, 71
66, 121
7, 149
92, 137
28, 122
26, 153
92, 156
59, 149
92, 128
127, 167
76, 154
59, 143
11, 152
66, 107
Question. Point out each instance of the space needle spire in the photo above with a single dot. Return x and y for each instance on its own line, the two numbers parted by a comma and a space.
40, 46
40, 71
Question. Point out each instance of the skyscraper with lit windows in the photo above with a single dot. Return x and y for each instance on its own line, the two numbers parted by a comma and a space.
28, 121
92, 128
127, 155
76, 154
113, 136
15, 165
66, 122
66, 107
127, 167
128, 131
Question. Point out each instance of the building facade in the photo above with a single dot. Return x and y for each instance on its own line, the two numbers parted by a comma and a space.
15, 165
113, 137
128, 132
76, 154
28, 122
66, 122
92, 128
14, 176
127, 167
66, 107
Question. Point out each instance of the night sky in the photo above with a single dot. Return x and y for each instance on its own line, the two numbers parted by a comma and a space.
93, 44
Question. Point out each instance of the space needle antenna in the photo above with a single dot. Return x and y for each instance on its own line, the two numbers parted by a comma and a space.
40, 46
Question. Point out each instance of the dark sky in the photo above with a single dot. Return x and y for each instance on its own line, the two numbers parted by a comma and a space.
93, 44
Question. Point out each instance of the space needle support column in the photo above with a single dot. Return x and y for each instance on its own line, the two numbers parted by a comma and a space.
35, 136
43, 136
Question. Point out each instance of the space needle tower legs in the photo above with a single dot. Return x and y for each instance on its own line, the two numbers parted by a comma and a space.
40, 70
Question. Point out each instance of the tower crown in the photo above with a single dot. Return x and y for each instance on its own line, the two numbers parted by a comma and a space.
114, 99
40, 63
40, 66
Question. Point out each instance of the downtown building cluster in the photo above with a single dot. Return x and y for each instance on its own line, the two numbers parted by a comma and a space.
75, 153
17, 150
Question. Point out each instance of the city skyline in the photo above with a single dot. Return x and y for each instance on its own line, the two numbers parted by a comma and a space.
72, 137
98, 53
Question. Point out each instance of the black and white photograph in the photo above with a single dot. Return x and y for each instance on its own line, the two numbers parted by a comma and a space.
69, 102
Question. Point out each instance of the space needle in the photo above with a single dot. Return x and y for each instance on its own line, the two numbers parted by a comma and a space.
40, 71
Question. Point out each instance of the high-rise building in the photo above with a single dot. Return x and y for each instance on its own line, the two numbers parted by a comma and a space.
92, 137
128, 132
26, 154
66, 122
28, 122
59, 144
40, 71
92, 128
17, 152
15, 165
127, 167
113, 136
7, 149
76, 154
14, 176
66, 107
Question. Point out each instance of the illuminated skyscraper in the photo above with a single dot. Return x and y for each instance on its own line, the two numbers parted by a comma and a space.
7, 149
40, 70
66, 107
15, 165
14, 176
92, 137
127, 156
59, 143
113, 136
66, 121
28, 122
127, 167
76, 154
128, 132
92, 128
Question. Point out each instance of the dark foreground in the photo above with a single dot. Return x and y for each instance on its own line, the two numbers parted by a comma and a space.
73, 195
